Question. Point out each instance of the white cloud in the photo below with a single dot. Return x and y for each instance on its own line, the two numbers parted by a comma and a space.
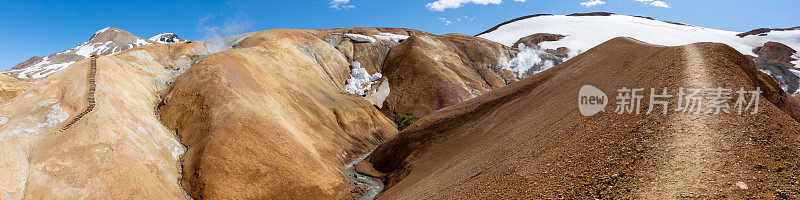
592, 3
341, 4
446, 22
441, 5
456, 20
655, 3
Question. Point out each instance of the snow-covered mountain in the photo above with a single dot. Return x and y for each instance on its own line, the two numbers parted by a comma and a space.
585, 31
165, 38
105, 41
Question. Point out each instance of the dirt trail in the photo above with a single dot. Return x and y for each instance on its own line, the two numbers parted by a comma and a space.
89, 94
691, 161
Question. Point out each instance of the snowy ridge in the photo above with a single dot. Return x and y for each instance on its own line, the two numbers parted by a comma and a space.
106, 41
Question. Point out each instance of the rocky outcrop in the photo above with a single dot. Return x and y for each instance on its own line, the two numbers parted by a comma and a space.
764, 31
788, 80
595, 14
536, 38
776, 52
531, 137
775, 59
31, 61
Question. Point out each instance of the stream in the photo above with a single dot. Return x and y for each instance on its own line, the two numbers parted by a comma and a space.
371, 185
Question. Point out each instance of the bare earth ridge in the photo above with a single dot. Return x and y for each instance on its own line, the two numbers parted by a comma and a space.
528, 140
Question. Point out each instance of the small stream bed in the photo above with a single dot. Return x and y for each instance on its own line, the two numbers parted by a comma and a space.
370, 185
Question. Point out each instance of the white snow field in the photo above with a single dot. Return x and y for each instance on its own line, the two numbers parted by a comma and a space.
584, 32
391, 36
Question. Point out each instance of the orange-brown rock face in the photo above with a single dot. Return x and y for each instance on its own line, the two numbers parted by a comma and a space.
429, 72
528, 140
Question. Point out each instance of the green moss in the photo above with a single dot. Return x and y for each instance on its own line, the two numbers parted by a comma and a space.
405, 120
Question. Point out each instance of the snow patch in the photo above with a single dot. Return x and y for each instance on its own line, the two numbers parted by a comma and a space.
3, 120
54, 117
41, 69
50, 69
88, 49
530, 57
391, 36
359, 38
795, 72
360, 80
765, 71
141, 42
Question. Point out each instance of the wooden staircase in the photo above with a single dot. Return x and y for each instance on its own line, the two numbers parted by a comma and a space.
89, 96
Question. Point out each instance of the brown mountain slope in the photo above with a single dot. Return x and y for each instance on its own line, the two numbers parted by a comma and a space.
268, 120
10, 88
528, 140
432, 72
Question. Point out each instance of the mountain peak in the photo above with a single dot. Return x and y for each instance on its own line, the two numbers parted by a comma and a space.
113, 34
106, 41
165, 38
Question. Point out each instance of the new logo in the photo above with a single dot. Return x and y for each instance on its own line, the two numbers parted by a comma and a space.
591, 100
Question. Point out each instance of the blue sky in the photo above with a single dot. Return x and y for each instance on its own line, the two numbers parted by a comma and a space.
33, 27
